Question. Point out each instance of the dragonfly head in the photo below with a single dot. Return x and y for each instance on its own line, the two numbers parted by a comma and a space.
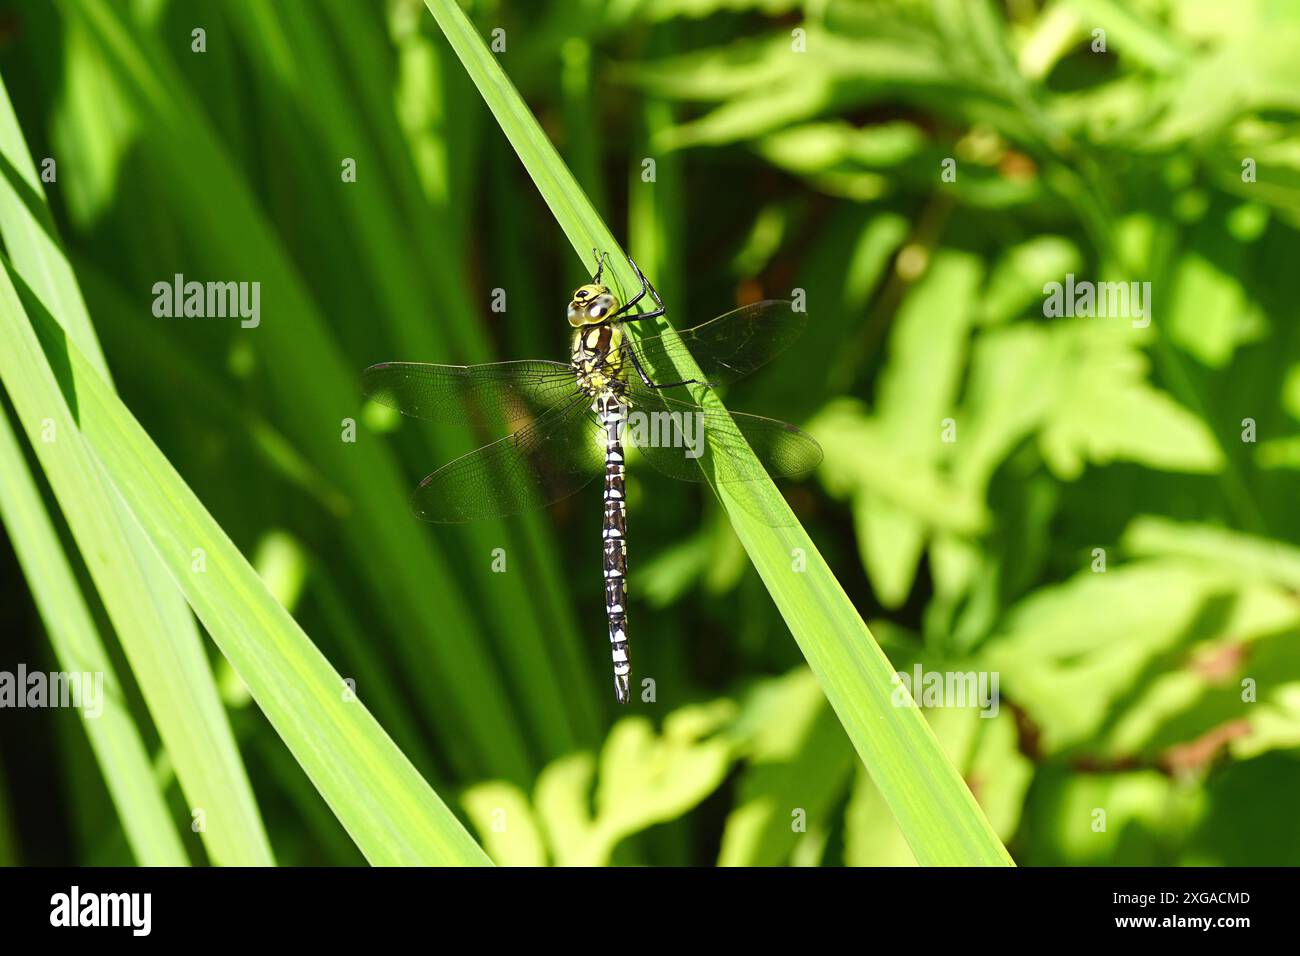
591, 305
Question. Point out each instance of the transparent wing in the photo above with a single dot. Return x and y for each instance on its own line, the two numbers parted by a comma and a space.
693, 443
499, 393
551, 458
728, 347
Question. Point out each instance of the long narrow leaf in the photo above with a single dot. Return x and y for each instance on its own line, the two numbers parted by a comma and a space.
387, 808
152, 621
114, 738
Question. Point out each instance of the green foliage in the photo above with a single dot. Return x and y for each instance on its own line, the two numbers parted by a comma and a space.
394, 818
1100, 511
643, 779
796, 768
151, 620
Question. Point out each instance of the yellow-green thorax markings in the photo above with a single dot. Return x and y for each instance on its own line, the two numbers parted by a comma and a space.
597, 352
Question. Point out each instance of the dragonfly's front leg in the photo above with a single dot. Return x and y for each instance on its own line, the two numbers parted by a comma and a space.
646, 286
601, 257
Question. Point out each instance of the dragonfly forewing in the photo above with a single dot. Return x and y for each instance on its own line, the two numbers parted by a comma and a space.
726, 348
492, 395
552, 458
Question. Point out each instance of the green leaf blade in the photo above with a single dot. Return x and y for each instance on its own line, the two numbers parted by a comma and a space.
387, 808
157, 631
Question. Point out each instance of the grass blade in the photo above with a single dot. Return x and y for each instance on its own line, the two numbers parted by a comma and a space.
152, 621
114, 738
934, 808
387, 808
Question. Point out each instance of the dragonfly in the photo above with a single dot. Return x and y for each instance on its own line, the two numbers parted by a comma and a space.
571, 421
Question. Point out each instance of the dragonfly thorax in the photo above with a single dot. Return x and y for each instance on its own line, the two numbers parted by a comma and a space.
598, 357
591, 304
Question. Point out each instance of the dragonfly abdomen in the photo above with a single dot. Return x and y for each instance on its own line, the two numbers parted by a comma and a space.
609, 407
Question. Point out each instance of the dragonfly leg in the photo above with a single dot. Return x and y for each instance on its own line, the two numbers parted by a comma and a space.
600, 263
645, 379
646, 315
646, 286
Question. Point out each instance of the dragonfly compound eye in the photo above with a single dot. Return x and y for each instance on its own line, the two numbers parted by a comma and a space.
602, 306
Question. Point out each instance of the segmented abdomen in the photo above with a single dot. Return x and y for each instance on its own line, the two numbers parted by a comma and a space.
608, 406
